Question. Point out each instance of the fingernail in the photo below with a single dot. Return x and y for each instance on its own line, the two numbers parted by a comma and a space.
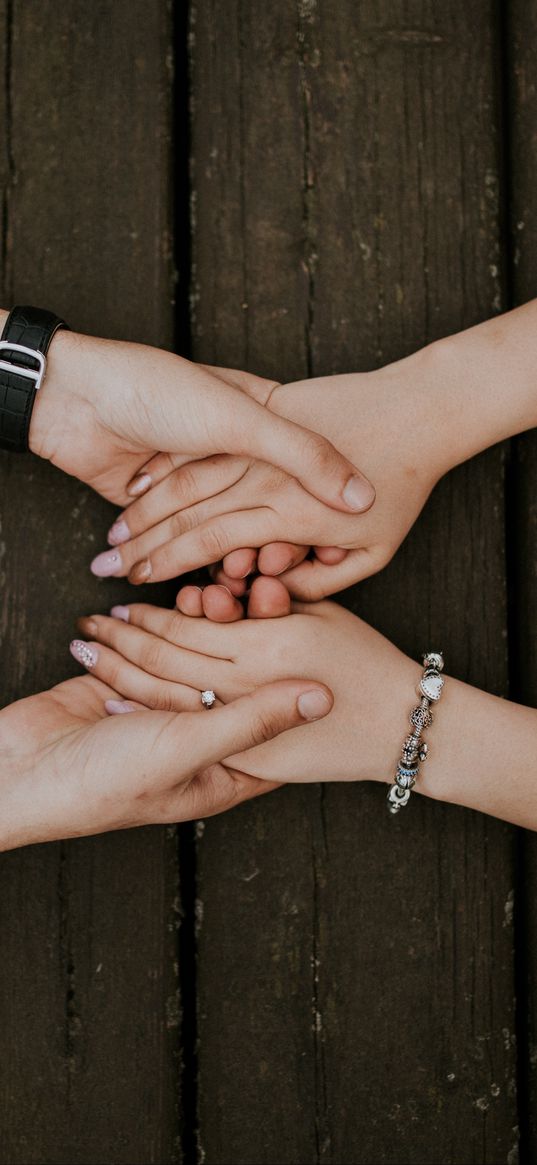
119, 532
107, 563
313, 705
88, 626
284, 568
85, 653
139, 485
120, 613
141, 571
359, 494
221, 587
115, 707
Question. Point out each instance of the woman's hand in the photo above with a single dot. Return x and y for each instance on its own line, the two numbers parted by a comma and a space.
151, 658
481, 749
106, 407
69, 768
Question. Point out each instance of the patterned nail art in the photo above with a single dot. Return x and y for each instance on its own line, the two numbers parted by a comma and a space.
84, 653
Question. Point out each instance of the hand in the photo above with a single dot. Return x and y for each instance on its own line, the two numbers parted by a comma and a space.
402, 424
381, 416
71, 769
152, 657
481, 749
106, 407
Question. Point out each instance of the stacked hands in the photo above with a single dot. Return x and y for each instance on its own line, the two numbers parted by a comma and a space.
260, 482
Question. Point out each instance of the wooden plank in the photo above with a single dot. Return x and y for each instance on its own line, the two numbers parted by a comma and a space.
356, 977
89, 1008
521, 42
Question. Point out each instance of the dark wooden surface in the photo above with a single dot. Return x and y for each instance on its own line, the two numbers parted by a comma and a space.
353, 986
89, 1011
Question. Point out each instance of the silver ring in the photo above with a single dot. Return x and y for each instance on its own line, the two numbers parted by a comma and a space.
208, 698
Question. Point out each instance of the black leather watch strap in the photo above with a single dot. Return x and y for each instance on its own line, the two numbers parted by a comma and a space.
22, 372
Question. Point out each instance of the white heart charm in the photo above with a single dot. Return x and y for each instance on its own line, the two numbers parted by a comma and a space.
431, 686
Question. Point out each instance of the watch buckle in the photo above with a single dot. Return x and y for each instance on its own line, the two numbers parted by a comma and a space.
31, 373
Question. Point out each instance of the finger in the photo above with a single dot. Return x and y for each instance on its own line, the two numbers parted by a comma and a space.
253, 719
279, 556
220, 606
240, 563
119, 558
185, 487
195, 635
119, 707
216, 790
189, 602
330, 555
269, 599
114, 644
154, 471
132, 682
311, 581
236, 586
209, 542
250, 430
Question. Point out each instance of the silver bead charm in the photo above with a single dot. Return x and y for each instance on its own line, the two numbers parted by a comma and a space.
406, 778
397, 798
414, 750
434, 659
431, 685
421, 717
409, 751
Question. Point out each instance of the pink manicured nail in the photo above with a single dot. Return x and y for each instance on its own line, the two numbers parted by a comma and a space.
139, 485
359, 494
120, 613
117, 707
313, 705
119, 532
107, 563
85, 653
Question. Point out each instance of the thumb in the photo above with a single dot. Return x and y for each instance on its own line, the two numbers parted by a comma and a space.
212, 736
252, 430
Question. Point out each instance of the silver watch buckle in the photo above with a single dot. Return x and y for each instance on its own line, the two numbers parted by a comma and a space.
30, 373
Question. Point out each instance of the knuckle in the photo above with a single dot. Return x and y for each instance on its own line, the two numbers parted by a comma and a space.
185, 481
151, 658
319, 451
180, 523
213, 544
162, 698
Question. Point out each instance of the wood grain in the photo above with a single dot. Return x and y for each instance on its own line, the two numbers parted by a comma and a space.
520, 35
355, 974
89, 1008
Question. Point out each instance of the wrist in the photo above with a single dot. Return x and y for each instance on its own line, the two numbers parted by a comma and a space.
64, 376
64, 396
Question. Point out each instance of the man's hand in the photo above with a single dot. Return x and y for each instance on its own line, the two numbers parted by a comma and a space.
106, 407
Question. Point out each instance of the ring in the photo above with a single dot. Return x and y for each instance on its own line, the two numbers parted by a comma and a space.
208, 698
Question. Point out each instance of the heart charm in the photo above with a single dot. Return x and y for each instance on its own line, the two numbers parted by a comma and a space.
431, 686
